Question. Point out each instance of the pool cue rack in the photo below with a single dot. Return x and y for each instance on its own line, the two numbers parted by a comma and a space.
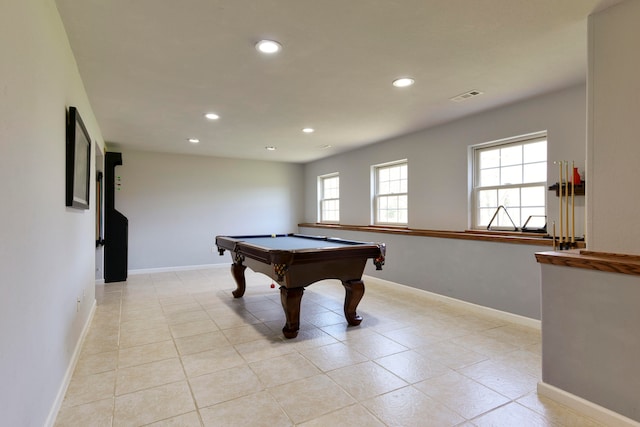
579, 188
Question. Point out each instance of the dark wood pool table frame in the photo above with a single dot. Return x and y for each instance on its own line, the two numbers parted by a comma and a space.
294, 269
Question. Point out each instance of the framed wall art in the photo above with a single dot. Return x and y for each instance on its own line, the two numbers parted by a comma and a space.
78, 161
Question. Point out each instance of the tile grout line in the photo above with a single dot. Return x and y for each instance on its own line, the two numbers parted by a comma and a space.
522, 363
184, 371
117, 368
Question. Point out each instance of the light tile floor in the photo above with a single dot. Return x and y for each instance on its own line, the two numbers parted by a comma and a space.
176, 349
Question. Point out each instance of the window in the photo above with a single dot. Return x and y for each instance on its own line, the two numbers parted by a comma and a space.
510, 178
329, 198
390, 193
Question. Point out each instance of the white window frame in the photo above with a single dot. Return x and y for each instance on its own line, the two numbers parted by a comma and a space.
322, 199
379, 196
503, 221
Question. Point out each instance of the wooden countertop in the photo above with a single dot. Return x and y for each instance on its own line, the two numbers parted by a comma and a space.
602, 261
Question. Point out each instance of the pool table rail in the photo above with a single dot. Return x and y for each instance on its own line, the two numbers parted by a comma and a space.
241, 245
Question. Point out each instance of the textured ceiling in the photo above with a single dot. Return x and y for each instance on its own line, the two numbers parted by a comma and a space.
152, 68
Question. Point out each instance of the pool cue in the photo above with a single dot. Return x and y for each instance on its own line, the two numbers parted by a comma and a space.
573, 203
566, 165
554, 235
560, 203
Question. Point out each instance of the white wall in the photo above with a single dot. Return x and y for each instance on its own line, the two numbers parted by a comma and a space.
501, 276
590, 321
438, 161
177, 204
614, 129
46, 249
590, 345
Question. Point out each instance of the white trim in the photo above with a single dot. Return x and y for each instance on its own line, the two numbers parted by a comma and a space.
57, 403
498, 314
321, 198
518, 138
376, 195
585, 407
391, 163
179, 268
474, 158
590, 155
99, 281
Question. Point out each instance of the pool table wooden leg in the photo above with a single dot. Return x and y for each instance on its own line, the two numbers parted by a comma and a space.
237, 270
291, 299
354, 293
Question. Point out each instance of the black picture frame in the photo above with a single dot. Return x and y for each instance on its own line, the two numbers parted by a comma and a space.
78, 161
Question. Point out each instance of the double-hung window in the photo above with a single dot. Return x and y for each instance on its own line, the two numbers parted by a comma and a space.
510, 181
329, 198
390, 204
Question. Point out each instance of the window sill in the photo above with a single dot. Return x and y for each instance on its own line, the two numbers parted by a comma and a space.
490, 236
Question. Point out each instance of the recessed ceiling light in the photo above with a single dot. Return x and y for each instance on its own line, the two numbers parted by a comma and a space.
403, 82
270, 148
308, 130
193, 140
268, 46
212, 116
326, 147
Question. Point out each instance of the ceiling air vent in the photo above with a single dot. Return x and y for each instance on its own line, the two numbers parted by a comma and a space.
466, 95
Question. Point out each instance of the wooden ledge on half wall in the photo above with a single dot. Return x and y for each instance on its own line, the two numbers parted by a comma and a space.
521, 238
601, 261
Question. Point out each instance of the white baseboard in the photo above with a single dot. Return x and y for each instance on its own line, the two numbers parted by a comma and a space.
57, 403
179, 268
503, 315
585, 407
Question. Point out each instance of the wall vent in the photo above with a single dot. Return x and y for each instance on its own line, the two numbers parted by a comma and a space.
466, 95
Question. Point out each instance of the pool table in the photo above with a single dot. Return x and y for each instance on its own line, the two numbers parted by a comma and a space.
296, 261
